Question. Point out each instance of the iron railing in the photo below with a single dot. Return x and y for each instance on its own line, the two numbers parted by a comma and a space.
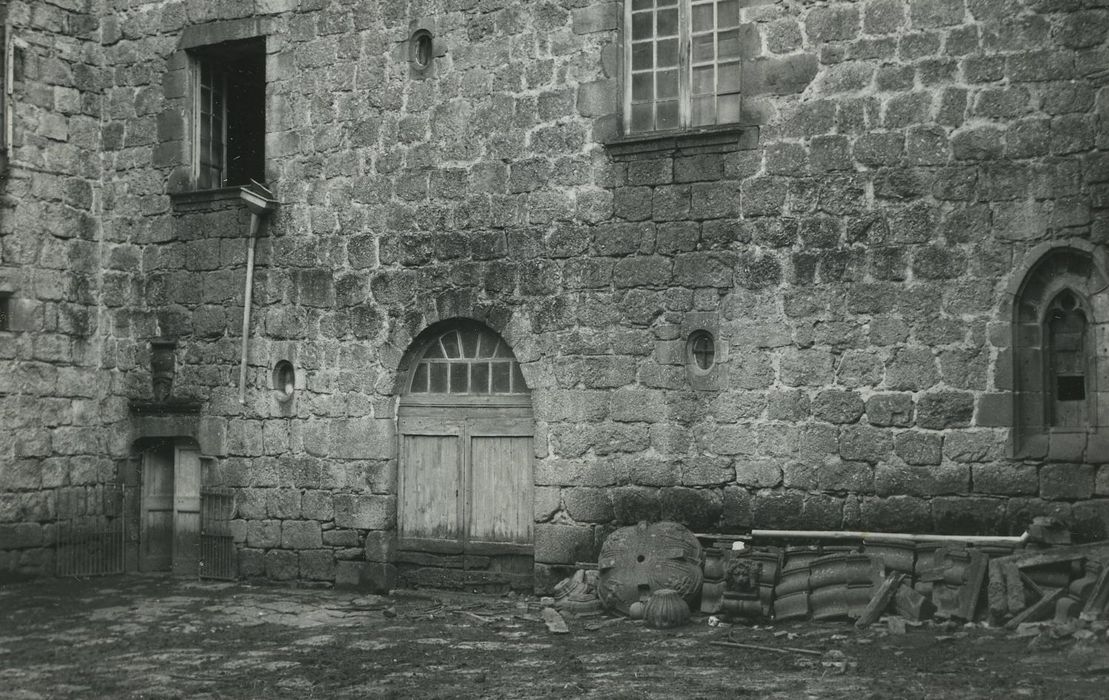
91, 529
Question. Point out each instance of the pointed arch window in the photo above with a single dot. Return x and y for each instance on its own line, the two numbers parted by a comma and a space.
1067, 360
1056, 358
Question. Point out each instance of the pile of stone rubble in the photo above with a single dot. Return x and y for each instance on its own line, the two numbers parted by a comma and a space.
778, 576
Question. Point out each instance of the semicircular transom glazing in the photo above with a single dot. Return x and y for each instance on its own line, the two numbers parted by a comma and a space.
470, 360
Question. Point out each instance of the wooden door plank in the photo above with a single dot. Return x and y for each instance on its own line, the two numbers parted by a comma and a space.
436, 425
186, 511
510, 426
500, 508
430, 487
156, 521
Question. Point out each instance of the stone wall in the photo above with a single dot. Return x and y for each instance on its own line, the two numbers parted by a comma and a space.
851, 247
51, 395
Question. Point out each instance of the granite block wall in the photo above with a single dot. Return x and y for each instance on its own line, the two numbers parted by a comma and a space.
52, 394
852, 245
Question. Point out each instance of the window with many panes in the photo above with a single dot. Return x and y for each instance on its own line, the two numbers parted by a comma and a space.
1067, 356
682, 66
229, 113
468, 360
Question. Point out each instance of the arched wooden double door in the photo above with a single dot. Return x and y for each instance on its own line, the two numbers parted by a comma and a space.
466, 431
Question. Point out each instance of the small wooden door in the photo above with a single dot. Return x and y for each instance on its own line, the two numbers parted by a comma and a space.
170, 517
466, 478
156, 531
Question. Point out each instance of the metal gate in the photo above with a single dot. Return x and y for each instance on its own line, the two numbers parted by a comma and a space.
218, 558
91, 529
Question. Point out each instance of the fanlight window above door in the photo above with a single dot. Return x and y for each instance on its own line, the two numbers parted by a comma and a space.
468, 361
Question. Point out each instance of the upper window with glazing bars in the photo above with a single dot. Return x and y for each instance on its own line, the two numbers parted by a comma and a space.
682, 64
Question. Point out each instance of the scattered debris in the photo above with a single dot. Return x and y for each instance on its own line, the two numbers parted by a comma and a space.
665, 609
480, 618
603, 623
880, 601
1036, 576
896, 625
1098, 600
910, 603
1037, 585
836, 661
578, 593
555, 623
760, 647
637, 560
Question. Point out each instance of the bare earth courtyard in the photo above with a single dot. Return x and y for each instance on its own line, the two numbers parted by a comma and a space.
165, 638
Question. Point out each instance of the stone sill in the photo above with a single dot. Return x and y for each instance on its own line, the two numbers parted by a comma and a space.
716, 139
196, 199
1088, 444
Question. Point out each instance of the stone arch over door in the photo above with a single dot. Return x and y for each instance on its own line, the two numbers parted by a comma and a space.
1060, 312
465, 430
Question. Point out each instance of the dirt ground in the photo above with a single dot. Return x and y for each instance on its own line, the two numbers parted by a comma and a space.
141, 637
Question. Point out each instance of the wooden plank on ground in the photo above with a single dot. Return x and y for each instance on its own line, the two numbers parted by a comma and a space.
998, 597
1014, 587
1099, 597
972, 589
909, 602
1040, 610
880, 600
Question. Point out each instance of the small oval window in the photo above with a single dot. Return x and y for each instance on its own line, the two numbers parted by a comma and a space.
422, 49
284, 380
702, 351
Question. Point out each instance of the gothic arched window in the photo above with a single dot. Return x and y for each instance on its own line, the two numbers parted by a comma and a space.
1055, 358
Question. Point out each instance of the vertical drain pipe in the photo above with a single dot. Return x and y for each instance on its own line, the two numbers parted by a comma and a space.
261, 204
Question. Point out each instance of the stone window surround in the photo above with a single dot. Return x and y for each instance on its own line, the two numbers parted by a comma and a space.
675, 49
6, 47
284, 379
701, 351
716, 377
424, 26
724, 138
175, 128
20, 312
1031, 438
228, 134
5, 311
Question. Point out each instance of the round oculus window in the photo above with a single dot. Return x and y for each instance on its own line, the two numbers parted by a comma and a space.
701, 348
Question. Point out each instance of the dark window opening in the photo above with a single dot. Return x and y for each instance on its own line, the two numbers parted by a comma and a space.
422, 52
5, 311
1070, 388
5, 147
284, 379
230, 114
1067, 358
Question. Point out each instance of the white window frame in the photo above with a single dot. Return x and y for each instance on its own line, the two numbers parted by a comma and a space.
218, 148
685, 68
